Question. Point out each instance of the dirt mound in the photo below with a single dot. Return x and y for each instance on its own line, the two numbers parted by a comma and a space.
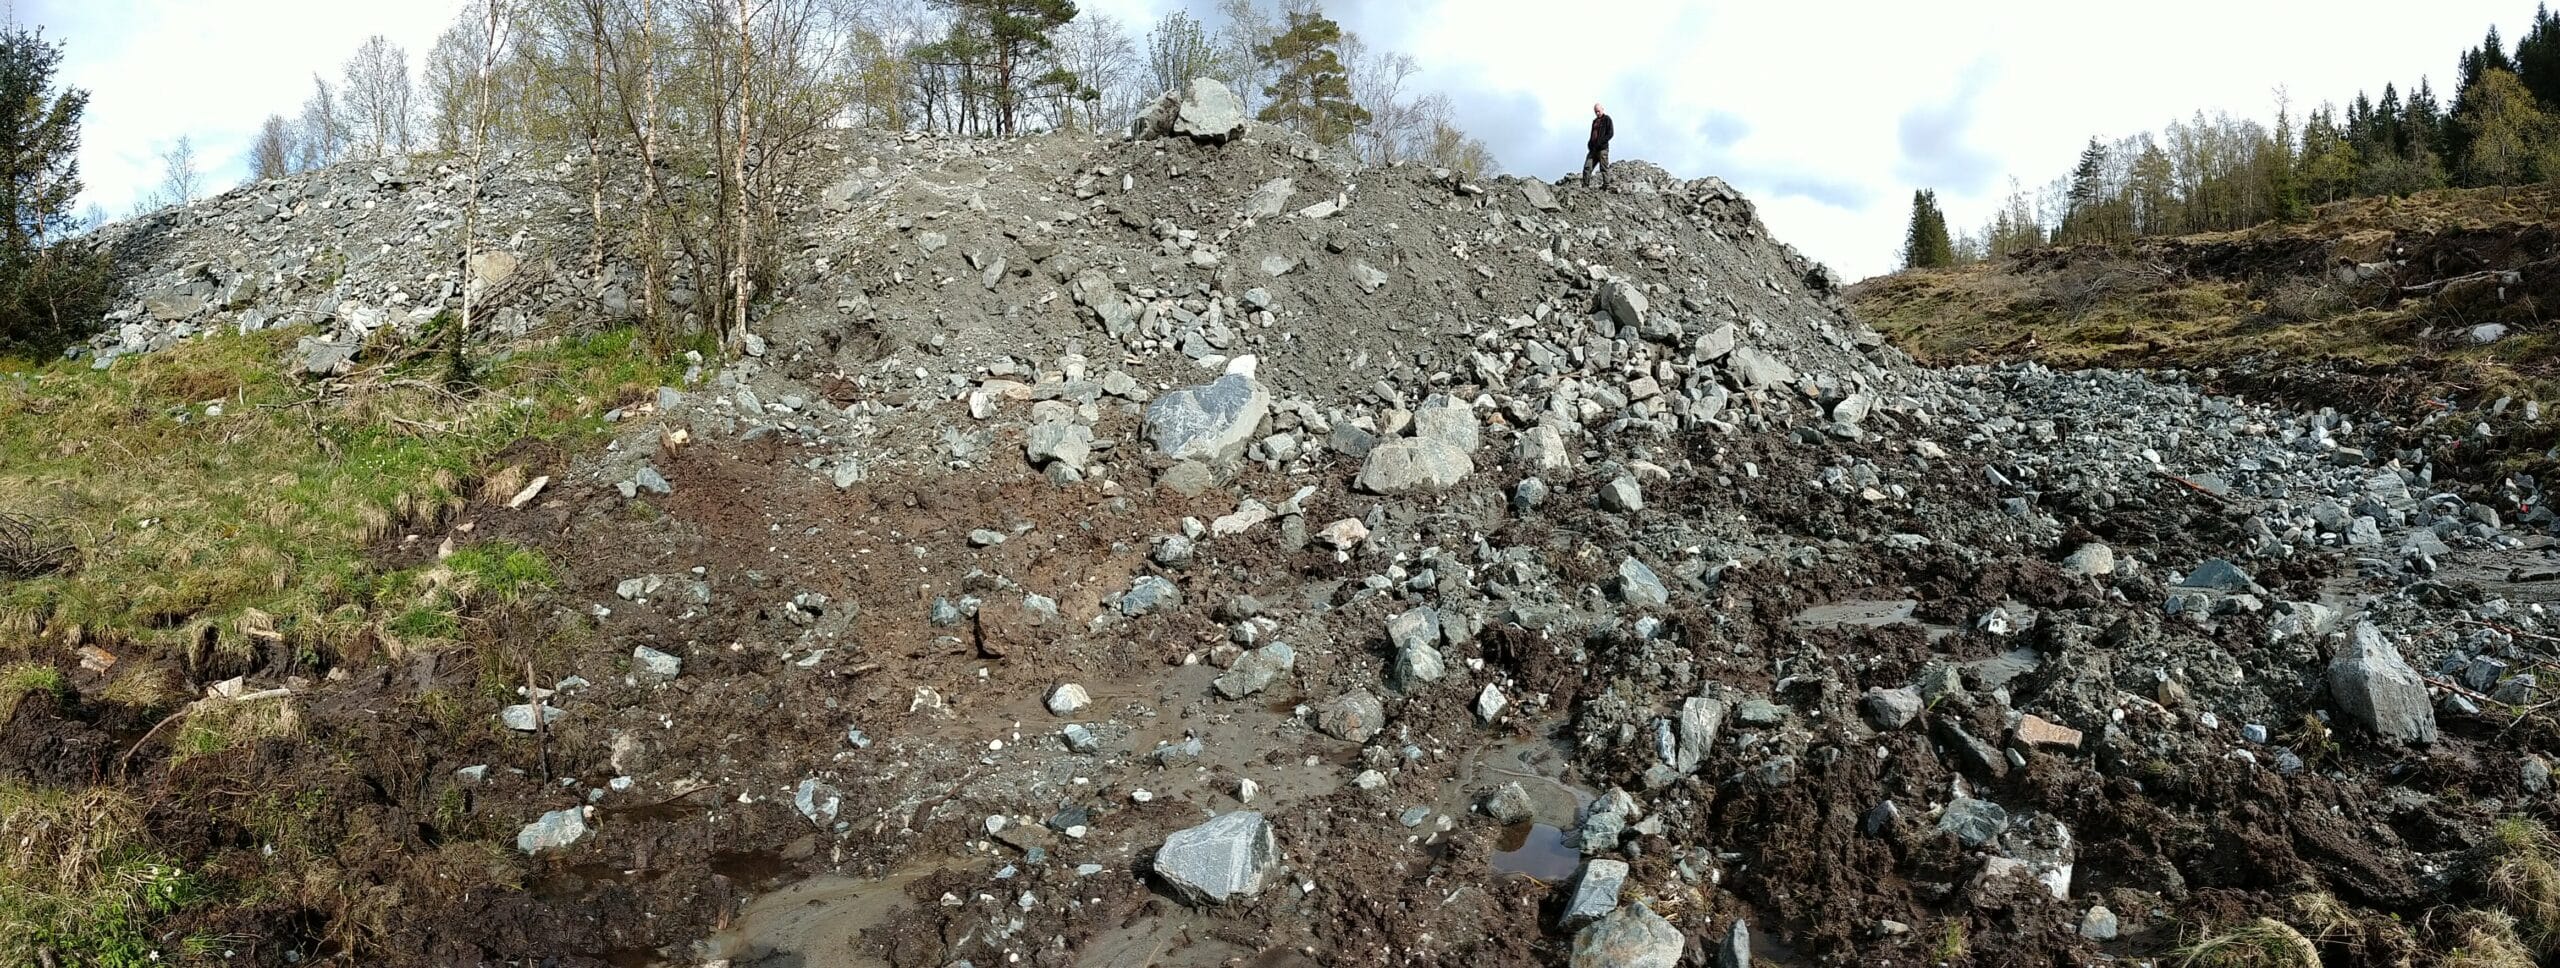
1521, 553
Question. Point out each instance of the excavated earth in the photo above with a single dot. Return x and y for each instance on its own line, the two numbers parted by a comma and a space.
1602, 541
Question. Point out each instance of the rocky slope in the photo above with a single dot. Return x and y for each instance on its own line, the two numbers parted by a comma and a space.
1197, 549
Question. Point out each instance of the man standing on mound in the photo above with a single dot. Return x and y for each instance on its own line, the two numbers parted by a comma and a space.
1601, 131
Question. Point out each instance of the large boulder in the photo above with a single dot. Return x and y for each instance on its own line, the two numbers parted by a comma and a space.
1630, 937
1207, 111
1219, 861
1212, 422
1414, 465
2376, 687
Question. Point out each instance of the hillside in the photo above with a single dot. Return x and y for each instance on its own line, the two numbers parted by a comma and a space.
2438, 300
1201, 549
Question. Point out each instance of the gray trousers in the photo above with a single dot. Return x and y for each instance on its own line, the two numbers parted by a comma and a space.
1600, 158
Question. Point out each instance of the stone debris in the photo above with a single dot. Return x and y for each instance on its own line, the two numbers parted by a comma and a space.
1219, 861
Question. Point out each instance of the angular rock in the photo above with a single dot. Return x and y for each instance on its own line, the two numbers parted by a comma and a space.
556, 830
1067, 698
1256, 670
1890, 708
1974, 822
1595, 893
1218, 861
1354, 717
1640, 587
1735, 952
1509, 805
1449, 422
1630, 937
1213, 422
1622, 494
1701, 719
1058, 440
2376, 687
817, 802
1757, 370
1413, 466
1417, 665
651, 662
1625, 302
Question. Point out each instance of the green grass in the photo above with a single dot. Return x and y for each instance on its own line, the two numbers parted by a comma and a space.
75, 880
23, 679
194, 526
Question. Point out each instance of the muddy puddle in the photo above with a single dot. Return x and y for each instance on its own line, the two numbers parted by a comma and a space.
1535, 849
1870, 613
826, 920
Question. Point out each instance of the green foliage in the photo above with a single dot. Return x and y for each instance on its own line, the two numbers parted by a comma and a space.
1926, 245
2510, 137
1312, 94
501, 570
993, 44
1179, 50
52, 291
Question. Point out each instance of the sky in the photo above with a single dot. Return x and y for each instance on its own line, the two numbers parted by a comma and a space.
1827, 114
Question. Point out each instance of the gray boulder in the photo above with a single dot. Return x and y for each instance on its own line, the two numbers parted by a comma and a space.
1757, 370
1451, 422
1355, 717
1213, 422
2376, 687
554, 831
817, 802
1595, 893
1974, 822
1701, 719
1256, 670
1215, 862
1630, 937
1413, 466
1640, 587
1510, 805
1626, 303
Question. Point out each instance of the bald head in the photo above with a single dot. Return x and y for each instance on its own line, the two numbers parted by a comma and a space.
1595, 108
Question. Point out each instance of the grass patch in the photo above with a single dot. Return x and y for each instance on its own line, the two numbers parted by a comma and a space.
23, 679
2261, 943
206, 483
2486, 939
76, 882
2521, 874
220, 726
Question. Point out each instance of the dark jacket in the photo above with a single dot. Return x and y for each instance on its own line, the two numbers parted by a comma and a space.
1602, 129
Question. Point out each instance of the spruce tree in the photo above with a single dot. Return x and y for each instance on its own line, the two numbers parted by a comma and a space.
1312, 94
2538, 58
52, 289
1925, 244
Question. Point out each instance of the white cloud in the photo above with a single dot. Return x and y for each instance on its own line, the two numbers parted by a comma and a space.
1829, 113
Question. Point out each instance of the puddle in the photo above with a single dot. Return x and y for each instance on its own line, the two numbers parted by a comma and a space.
1535, 849
828, 917
1873, 614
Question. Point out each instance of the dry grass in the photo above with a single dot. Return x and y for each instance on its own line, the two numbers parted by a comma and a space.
2261, 943
2485, 939
2521, 874
75, 882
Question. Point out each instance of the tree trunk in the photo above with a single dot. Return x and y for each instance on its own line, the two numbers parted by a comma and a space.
740, 243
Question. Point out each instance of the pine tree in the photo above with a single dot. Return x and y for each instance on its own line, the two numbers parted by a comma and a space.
52, 290
1004, 38
1926, 244
2538, 57
2081, 219
1312, 93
